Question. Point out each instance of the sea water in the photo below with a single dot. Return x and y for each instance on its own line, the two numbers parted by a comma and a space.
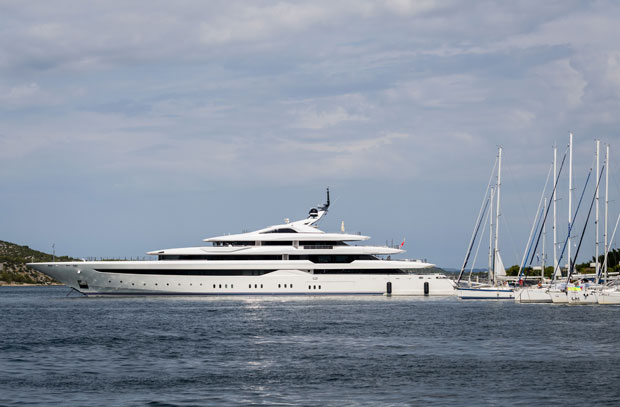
331, 351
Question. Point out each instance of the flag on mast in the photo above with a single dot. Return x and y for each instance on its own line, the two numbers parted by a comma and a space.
402, 244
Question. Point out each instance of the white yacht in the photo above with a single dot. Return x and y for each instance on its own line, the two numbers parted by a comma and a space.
289, 259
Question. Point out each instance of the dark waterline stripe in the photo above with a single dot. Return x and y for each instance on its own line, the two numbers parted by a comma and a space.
183, 294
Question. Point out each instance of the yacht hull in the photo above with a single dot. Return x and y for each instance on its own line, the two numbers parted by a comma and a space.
85, 278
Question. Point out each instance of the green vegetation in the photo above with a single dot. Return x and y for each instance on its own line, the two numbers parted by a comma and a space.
13, 259
514, 271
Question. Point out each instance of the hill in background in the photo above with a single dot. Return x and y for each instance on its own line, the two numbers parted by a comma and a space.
13, 259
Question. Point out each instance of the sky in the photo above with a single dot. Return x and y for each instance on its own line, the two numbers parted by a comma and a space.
138, 125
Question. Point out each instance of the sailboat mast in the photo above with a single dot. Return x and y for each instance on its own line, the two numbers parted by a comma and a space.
606, 203
491, 236
570, 194
542, 265
596, 242
497, 214
555, 198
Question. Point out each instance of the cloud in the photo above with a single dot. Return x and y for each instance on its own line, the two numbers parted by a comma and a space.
235, 94
25, 96
313, 119
445, 91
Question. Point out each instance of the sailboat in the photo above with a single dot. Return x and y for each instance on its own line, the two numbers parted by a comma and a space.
586, 293
540, 293
577, 293
493, 290
609, 294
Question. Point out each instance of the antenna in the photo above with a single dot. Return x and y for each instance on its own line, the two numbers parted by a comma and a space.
326, 205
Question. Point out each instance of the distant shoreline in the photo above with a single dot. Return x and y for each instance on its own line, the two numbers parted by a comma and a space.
5, 284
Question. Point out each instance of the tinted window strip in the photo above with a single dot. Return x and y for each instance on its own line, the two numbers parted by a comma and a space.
187, 272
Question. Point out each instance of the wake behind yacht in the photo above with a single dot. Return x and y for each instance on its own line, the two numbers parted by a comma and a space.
289, 259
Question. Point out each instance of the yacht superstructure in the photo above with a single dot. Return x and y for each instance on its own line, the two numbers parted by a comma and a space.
289, 259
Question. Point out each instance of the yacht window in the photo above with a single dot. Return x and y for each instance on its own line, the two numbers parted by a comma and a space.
186, 272
255, 285
282, 230
309, 287
278, 243
225, 285
291, 285
319, 287
221, 257
284, 285
359, 271
278, 285
224, 244
231, 286
321, 243
213, 285
220, 286
329, 258
261, 286
250, 286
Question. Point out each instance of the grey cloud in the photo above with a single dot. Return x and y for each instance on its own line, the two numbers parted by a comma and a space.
294, 93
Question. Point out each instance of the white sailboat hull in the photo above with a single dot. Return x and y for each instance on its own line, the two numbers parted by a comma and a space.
609, 297
559, 297
533, 295
485, 293
583, 297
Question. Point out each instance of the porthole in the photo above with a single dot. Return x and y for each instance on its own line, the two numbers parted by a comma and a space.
309, 287
255, 285
291, 285
279, 286
179, 283
319, 287
167, 283
314, 287
132, 284
155, 283
190, 284
121, 281
261, 286
201, 284
231, 286
144, 284
225, 285
213, 285
220, 286
109, 281
249, 285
